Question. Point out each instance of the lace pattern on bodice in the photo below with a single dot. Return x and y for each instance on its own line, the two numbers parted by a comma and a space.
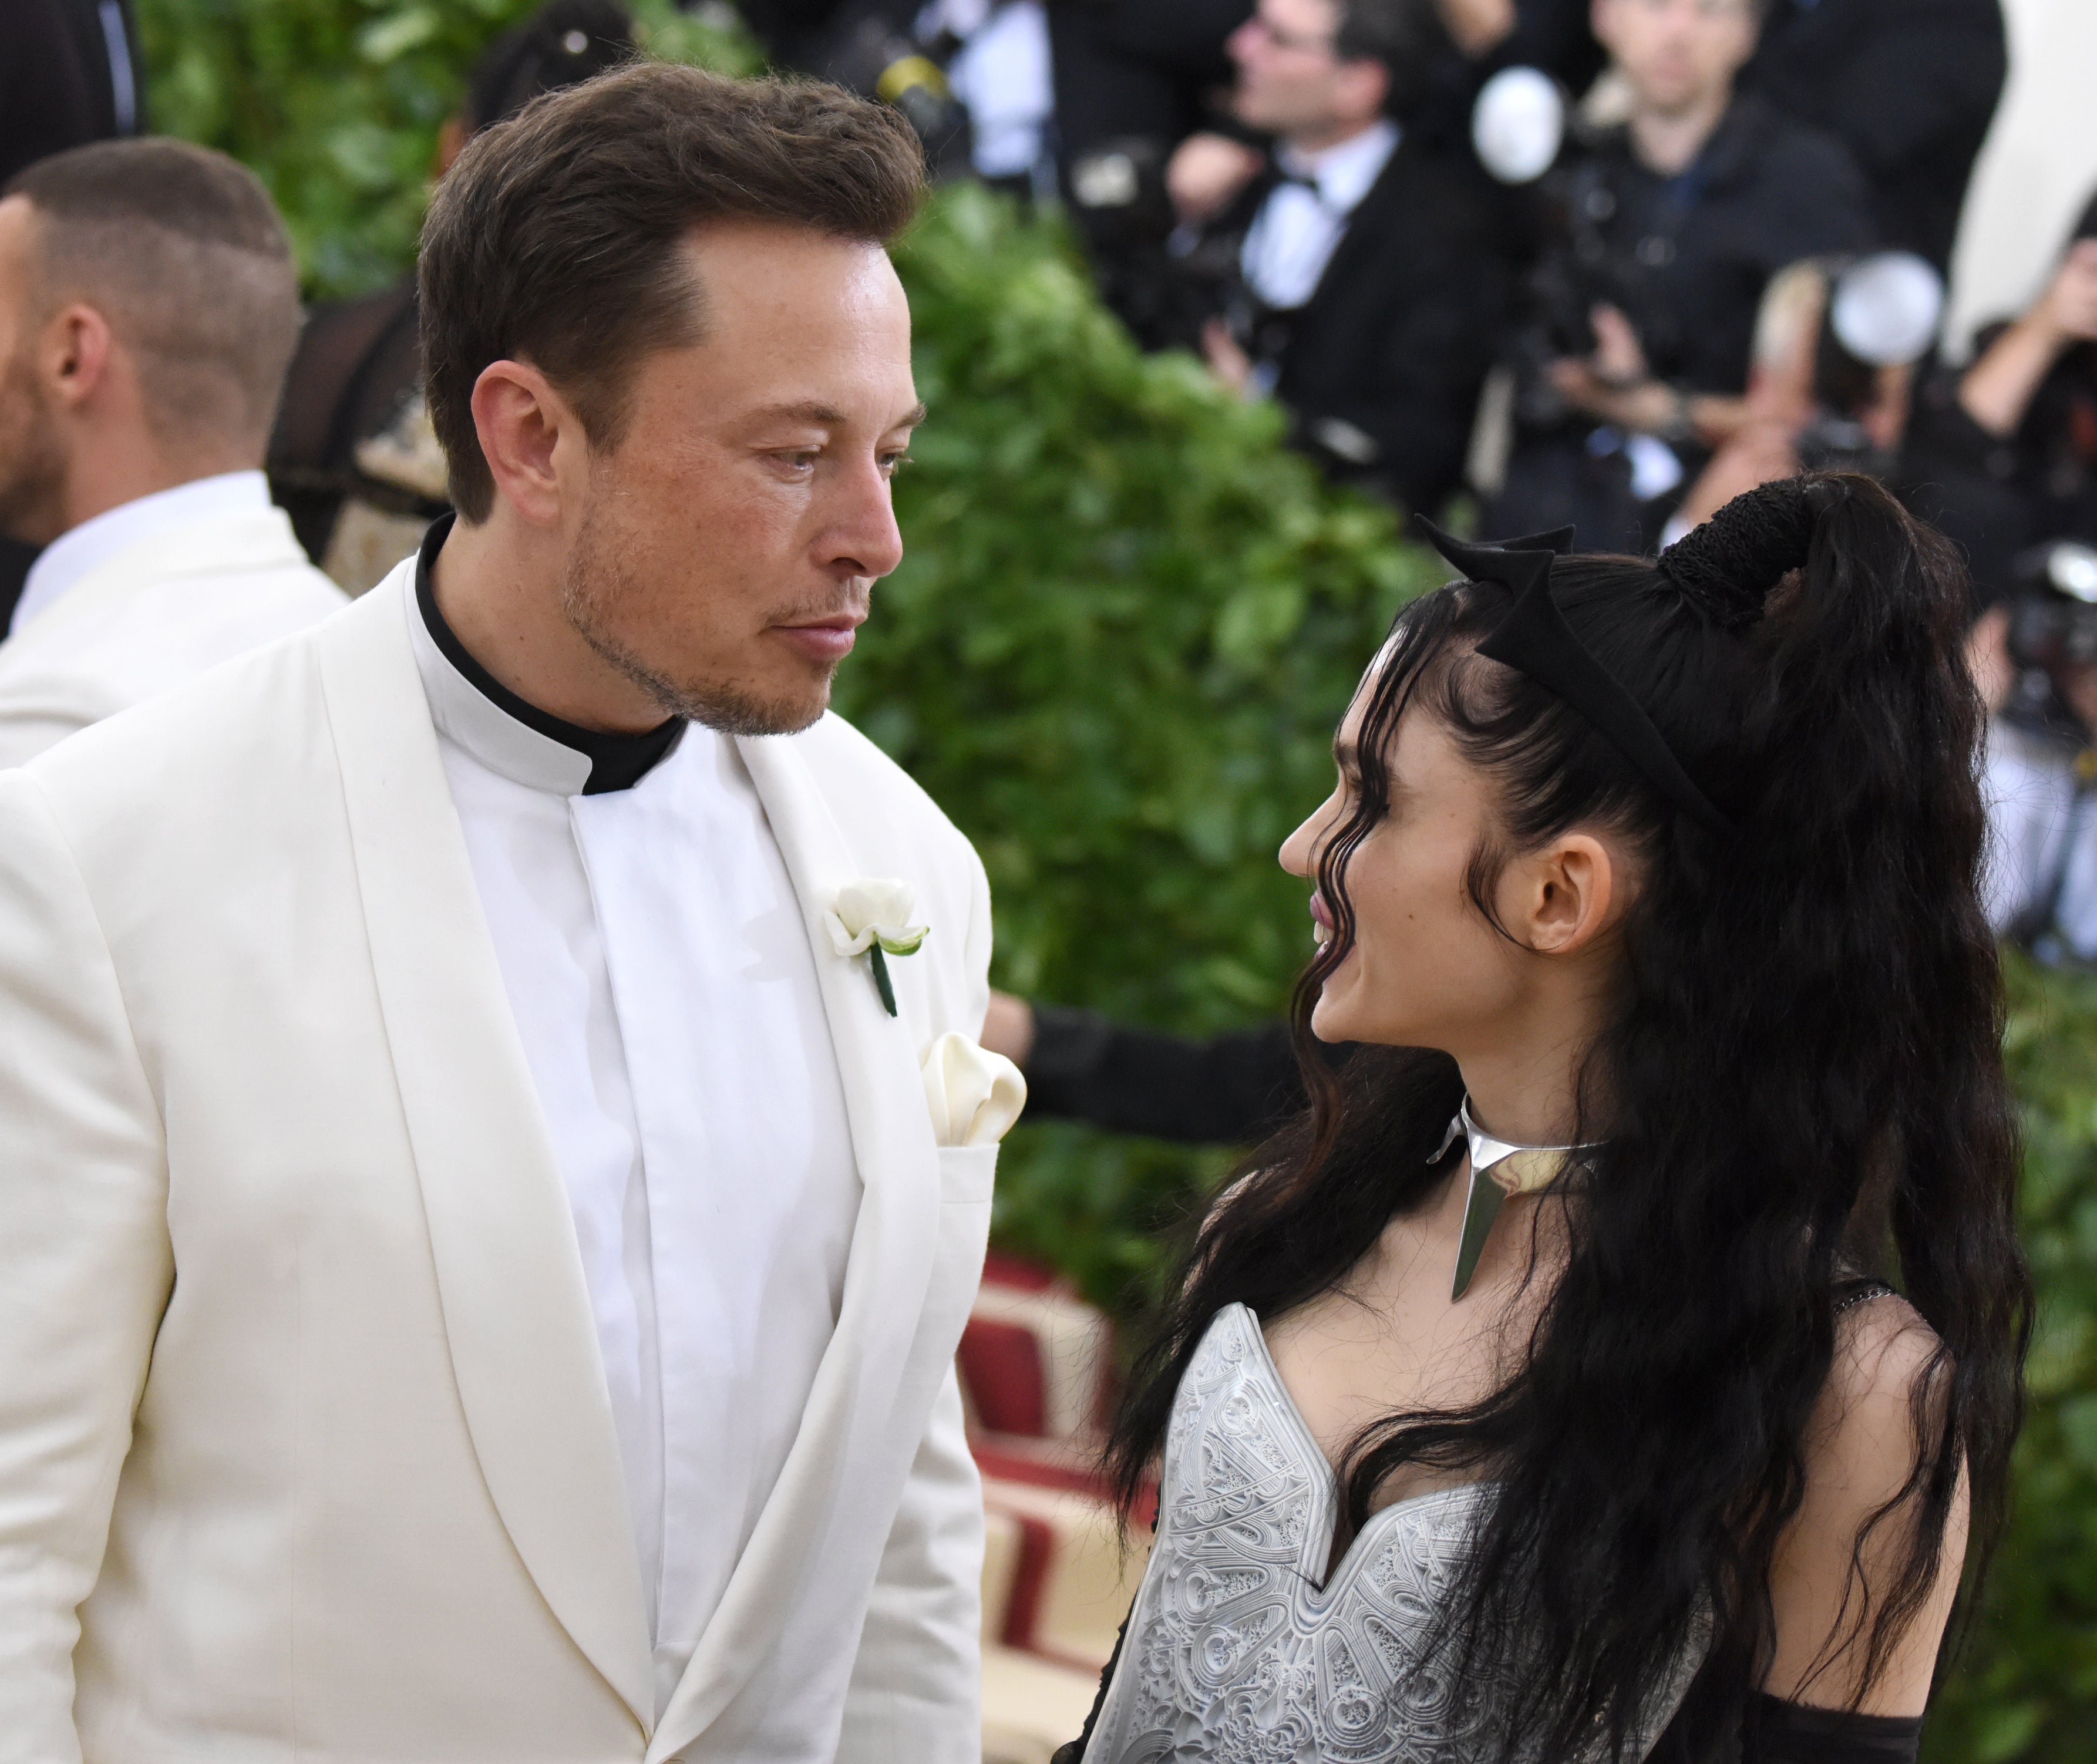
1234, 1654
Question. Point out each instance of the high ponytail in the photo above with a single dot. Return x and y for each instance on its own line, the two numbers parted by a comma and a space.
1804, 1087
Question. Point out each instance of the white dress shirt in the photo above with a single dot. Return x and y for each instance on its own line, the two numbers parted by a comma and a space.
659, 971
75, 555
1300, 224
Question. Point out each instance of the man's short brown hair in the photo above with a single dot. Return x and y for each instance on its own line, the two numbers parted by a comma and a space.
181, 252
555, 237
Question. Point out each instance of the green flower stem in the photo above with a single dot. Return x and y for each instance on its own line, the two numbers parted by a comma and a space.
881, 981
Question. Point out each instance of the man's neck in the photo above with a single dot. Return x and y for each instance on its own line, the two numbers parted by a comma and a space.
1668, 141
499, 587
107, 476
1323, 139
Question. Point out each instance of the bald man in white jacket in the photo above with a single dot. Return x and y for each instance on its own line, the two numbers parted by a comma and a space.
148, 309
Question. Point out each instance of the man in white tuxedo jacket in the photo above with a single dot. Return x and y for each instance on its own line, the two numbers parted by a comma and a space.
148, 310
494, 1159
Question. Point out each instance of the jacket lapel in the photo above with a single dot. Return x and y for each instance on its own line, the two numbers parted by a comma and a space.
851, 1406
1367, 226
517, 1313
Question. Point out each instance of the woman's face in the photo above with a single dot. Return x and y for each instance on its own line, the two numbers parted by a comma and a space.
1426, 969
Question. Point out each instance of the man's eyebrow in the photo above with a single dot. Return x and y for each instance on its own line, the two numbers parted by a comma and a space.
828, 416
812, 411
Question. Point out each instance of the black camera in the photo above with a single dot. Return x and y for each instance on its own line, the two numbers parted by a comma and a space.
873, 48
2053, 615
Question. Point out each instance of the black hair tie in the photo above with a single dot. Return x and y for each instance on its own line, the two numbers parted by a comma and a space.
1727, 567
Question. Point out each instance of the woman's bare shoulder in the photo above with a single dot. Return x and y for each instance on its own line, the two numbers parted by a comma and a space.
1855, 1525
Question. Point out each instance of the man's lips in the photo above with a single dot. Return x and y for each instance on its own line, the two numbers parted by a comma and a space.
824, 640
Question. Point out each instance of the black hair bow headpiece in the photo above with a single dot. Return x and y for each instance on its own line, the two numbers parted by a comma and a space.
1535, 639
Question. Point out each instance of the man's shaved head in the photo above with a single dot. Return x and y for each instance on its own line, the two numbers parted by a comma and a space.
181, 251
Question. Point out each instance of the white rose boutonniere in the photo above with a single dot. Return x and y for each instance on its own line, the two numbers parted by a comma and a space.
872, 917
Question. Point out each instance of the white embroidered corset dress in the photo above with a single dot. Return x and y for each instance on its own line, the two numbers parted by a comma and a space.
1235, 1654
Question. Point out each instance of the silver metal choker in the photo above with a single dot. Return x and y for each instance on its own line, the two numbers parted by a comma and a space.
1499, 1168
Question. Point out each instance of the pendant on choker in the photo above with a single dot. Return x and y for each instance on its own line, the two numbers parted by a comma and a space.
1499, 1168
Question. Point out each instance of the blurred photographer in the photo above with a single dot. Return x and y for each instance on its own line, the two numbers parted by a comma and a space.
1662, 234
2003, 457
972, 76
1837, 347
1133, 79
1359, 277
2034, 660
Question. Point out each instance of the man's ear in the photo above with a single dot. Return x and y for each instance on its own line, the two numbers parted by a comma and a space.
73, 354
1600, 18
1364, 87
1570, 893
529, 435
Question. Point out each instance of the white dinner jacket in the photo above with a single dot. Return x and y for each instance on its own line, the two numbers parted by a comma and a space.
159, 612
305, 1451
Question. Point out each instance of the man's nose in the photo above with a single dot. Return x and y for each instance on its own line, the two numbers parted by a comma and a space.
865, 540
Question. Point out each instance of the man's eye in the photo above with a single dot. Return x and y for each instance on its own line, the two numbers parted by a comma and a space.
894, 463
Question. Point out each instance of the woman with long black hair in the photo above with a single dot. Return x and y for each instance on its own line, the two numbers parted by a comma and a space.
1544, 1392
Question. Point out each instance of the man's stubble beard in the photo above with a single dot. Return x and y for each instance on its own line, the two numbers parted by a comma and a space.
599, 576
32, 466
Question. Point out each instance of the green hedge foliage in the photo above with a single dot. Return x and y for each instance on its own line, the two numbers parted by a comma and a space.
336, 103
2026, 1689
1126, 624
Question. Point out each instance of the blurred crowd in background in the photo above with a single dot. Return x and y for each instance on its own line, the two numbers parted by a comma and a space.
1596, 263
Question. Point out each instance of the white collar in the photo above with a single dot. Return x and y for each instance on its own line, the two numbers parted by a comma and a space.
466, 716
77, 554
1345, 174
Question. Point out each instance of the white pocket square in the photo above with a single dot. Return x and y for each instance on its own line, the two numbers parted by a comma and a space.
974, 1095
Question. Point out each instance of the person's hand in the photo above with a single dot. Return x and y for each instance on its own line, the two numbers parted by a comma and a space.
1619, 357
2069, 307
1647, 407
1988, 659
1615, 384
1998, 390
1009, 1028
1205, 172
1227, 360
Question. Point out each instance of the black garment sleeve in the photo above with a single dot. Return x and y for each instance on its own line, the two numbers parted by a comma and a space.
1774, 1731
1231, 1090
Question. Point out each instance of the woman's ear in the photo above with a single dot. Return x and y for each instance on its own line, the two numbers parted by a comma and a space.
1569, 891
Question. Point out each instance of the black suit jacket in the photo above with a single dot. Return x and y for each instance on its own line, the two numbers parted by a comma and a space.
1380, 369
1909, 86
